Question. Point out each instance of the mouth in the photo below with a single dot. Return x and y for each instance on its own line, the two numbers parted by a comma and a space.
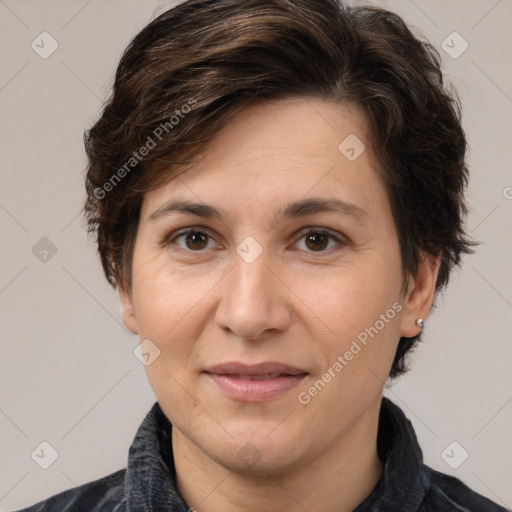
254, 383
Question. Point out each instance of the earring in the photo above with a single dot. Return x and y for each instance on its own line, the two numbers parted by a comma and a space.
419, 323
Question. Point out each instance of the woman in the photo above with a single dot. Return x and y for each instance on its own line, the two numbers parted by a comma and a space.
276, 190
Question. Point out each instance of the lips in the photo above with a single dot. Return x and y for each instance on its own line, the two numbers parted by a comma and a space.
263, 376
254, 383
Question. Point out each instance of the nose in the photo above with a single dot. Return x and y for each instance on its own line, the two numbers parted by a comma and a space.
254, 300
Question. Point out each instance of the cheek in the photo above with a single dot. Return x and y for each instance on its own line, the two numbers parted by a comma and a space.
360, 306
172, 309
168, 309
349, 299
164, 299
363, 317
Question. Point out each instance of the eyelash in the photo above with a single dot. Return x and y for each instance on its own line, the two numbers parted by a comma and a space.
172, 237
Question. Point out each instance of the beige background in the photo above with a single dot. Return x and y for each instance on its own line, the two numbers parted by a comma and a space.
68, 373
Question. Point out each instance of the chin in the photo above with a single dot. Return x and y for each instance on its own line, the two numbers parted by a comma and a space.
250, 452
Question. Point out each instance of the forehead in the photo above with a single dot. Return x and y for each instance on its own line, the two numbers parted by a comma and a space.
279, 151
295, 130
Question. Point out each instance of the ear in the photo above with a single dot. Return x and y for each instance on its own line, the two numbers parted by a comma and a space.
129, 320
420, 295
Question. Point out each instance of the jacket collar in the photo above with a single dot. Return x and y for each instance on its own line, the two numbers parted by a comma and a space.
150, 476
404, 482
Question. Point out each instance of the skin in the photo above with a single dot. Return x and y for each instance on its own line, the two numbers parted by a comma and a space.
295, 304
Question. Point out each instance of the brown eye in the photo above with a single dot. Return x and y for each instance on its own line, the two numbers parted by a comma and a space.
320, 241
191, 240
196, 240
317, 241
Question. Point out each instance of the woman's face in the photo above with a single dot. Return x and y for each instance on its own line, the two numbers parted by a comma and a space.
276, 302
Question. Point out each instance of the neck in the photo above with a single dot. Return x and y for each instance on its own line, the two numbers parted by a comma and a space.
337, 480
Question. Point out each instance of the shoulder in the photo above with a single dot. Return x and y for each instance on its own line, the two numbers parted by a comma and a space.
447, 493
104, 494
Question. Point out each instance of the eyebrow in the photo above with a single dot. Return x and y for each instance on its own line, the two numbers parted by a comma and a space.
299, 208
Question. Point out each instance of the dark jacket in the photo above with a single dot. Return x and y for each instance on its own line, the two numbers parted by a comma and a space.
148, 483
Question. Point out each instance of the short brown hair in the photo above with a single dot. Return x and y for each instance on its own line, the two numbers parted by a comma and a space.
187, 72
